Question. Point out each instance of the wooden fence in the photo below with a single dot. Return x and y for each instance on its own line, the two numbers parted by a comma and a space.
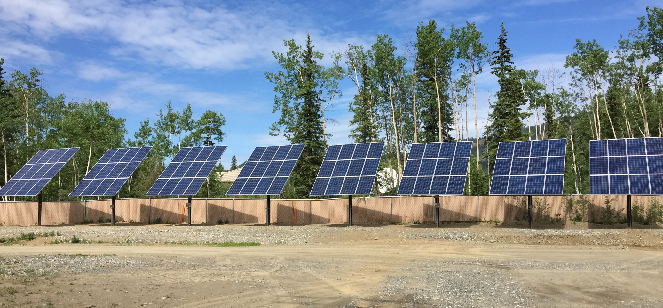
372, 210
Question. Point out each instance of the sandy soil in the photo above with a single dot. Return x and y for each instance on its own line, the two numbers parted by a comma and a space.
365, 267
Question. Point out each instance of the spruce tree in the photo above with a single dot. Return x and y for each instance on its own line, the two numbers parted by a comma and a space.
309, 129
233, 163
506, 116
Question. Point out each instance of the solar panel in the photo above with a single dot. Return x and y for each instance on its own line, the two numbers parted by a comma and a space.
348, 169
37, 172
529, 168
438, 168
631, 166
187, 171
111, 172
267, 170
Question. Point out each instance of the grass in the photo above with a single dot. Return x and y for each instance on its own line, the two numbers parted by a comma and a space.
26, 237
224, 244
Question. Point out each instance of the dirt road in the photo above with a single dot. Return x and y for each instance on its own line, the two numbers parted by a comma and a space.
387, 266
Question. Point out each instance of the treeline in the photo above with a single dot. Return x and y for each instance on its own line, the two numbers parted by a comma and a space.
32, 120
426, 92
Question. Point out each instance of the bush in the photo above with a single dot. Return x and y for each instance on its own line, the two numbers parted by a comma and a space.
654, 212
638, 213
609, 212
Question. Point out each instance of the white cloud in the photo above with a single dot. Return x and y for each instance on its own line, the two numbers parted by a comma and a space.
15, 49
96, 72
172, 33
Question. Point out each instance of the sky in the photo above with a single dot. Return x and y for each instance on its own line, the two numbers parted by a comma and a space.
138, 55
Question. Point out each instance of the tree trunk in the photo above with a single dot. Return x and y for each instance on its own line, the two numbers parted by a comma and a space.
607, 112
89, 157
453, 101
393, 121
476, 121
439, 104
414, 101
575, 166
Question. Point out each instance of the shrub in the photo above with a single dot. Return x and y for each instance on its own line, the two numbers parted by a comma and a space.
655, 211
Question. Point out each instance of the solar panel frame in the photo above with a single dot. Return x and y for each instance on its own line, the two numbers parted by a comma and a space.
111, 171
37, 172
529, 168
187, 171
436, 168
348, 169
629, 166
267, 170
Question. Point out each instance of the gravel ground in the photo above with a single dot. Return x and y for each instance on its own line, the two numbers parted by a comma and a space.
155, 234
464, 277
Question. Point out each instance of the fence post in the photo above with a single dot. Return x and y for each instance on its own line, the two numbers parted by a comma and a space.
233, 210
310, 212
478, 209
391, 209
84, 210
149, 210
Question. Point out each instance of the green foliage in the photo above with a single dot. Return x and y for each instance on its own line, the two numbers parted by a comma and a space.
506, 115
233, 163
434, 59
300, 84
477, 179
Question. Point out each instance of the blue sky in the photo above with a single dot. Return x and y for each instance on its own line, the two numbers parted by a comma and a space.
137, 55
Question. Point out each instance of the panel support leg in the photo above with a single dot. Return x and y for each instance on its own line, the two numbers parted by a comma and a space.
349, 210
39, 207
113, 211
267, 218
188, 208
529, 210
629, 216
437, 211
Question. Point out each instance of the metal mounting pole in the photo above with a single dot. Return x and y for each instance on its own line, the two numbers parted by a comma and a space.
629, 217
39, 207
113, 211
188, 208
529, 210
437, 211
267, 218
349, 210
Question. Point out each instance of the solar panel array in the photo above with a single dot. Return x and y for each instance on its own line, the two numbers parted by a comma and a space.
187, 172
436, 169
111, 172
626, 166
348, 169
529, 168
267, 170
37, 172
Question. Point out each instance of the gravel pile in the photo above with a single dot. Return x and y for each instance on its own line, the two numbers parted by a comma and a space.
40, 265
456, 284
600, 237
154, 234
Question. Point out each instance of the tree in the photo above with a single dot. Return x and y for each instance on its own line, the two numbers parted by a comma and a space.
362, 106
388, 75
9, 120
473, 54
434, 58
233, 163
301, 121
506, 115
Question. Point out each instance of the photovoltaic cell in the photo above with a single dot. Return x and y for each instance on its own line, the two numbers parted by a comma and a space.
529, 168
267, 170
438, 168
37, 172
348, 169
187, 172
111, 172
632, 166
